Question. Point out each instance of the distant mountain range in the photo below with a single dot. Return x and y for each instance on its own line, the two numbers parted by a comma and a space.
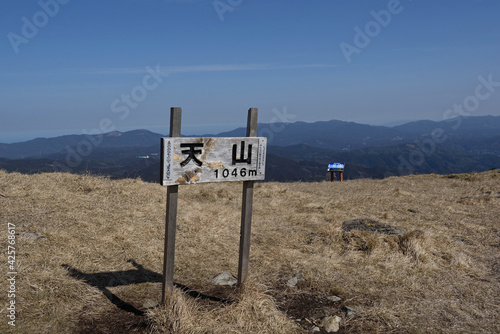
296, 151
43, 147
340, 135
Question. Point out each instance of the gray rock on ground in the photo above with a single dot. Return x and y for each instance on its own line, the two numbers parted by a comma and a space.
334, 298
292, 282
331, 324
149, 303
348, 311
224, 278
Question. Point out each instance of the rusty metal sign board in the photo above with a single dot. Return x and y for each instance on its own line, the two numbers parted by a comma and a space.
190, 160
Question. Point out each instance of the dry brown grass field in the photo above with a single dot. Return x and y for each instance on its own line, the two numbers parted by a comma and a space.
89, 256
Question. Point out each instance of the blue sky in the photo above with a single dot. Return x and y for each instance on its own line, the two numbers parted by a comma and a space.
216, 59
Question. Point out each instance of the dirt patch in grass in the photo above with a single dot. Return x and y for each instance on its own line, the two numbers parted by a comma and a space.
370, 225
307, 310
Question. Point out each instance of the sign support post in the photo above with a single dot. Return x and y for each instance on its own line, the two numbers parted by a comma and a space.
246, 208
171, 216
341, 176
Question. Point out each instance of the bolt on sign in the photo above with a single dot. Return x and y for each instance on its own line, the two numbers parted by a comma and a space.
189, 160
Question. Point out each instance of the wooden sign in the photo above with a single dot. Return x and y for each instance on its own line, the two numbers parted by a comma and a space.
189, 160
196, 160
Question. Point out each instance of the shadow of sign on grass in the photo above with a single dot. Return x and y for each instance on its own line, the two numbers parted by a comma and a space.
105, 280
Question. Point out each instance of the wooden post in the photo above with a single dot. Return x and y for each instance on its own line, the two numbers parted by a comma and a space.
340, 177
246, 208
171, 216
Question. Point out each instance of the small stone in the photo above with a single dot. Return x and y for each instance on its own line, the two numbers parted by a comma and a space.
292, 282
319, 313
150, 304
331, 324
224, 278
30, 235
348, 311
334, 298
315, 329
